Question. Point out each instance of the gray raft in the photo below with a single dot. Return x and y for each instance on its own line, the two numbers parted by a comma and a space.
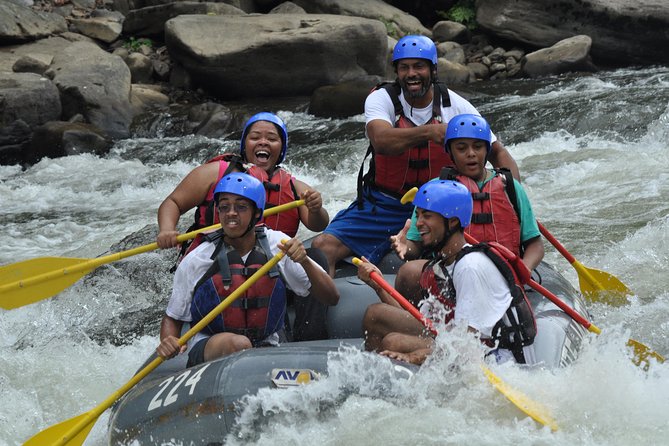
197, 405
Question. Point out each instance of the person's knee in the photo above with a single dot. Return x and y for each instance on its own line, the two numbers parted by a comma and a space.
223, 344
407, 281
326, 243
316, 254
392, 341
373, 314
240, 343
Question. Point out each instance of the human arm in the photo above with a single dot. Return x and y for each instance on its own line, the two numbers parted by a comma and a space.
170, 331
365, 269
322, 285
500, 157
530, 236
313, 215
389, 140
190, 192
534, 252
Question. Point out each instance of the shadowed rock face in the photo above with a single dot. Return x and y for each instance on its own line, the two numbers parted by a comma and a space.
622, 32
95, 84
276, 54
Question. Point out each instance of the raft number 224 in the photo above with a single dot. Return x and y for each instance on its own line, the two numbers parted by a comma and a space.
174, 385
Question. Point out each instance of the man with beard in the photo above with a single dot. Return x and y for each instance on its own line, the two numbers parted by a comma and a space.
405, 122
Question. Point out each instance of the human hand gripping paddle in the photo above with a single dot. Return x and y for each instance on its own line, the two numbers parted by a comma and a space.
32, 280
641, 351
596, 285
75, 430
531, 408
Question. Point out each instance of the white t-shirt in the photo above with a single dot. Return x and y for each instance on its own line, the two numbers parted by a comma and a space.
198, 261
378, 105
482, 298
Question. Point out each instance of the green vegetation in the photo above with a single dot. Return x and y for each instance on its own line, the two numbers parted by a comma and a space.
391, 28
464, 11
133, 44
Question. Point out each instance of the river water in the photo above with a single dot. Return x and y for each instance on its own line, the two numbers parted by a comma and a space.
592, 154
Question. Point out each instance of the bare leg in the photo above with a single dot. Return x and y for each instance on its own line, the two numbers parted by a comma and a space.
333, 249
381, 319
222, 344
407, 281
403, 343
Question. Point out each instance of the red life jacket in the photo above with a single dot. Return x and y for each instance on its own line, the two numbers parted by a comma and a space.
257, 313
521, 329
495, 216
280, 190
396, 174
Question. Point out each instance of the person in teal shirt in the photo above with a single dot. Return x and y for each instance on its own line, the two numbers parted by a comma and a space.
502, 210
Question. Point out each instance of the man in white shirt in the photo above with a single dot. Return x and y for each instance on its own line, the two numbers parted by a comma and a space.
217, 267
405, 122
463, 284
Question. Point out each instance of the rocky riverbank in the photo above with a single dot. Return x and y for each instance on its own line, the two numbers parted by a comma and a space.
76, 74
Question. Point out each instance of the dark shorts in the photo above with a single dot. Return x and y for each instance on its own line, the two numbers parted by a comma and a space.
367, 231
196, 353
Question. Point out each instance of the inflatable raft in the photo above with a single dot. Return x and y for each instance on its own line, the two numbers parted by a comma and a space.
176, 405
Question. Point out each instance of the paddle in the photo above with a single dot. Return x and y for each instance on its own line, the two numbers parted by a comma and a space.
74, 431
596, 285
521, 401
37, 279
641, 351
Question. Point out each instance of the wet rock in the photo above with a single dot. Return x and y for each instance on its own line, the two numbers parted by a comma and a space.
571, 54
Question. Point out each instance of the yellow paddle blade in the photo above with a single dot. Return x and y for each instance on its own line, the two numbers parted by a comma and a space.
409, 195
600, 286
643, 353
26, 282
20, 270
57, 435
531, 408
32, 280
74, 431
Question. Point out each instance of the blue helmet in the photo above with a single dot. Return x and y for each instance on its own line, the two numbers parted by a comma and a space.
468, 126
446, 197
415, 47
244, 185
269, 117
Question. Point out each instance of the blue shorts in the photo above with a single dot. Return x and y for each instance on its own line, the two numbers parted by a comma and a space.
367, 231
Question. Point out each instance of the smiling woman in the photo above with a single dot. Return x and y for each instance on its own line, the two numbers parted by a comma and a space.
262, 149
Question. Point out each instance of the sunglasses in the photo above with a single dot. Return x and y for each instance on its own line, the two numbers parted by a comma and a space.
239, 208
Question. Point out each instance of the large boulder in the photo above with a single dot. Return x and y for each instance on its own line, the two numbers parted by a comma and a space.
342, 100
572, 54
95, 84
19, 23
622, 32
27, 100
150, 20
43, 49
397, 22
58, 138
275, 54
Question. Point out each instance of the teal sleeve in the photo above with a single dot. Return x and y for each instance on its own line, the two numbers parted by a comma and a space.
413, 233
528, 223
